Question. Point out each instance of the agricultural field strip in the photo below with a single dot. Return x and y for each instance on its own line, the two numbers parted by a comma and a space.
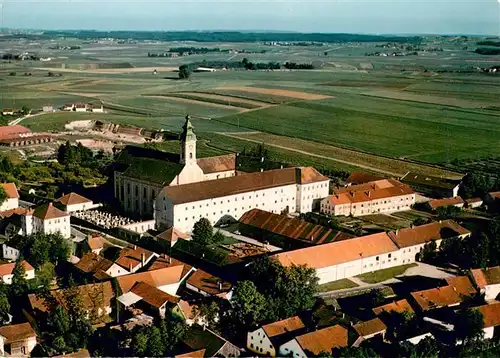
216, 99
276, 92
195, 101
388, 166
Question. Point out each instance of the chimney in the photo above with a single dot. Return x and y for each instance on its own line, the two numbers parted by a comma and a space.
135, 247
130, 267
220, 285
143, 258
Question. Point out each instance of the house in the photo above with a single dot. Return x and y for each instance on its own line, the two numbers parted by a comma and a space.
455, 201
100, 268
8, 111
199, 338
17, 340
462, 285
76, 107
361, 178
208, 285
12, 200
82, 353
46, 219
153, 299
6, 269
94, 243
396, 306
313, 343
171, 236
434, 298
96, 109
412, 240
347, 258
431, 185
73, 202
491, 319
96, 300
167, 279
267, 339
381, 196
487, 282
368, 330
48, 108
141, 173
286, 232
134, 258
473, 203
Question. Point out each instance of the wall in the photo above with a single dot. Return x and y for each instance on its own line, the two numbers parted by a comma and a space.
9, 203
417, 339
10, 253
81, 207
489, 332
491, 292
292, 348
51, 226
195, 289
135, 195
191, 173
116, 270
7, 279
408, 254
171, 289
258, 342
219, 175
386, 205
140, 227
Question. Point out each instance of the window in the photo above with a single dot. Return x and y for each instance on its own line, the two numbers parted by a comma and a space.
377, 258
389, 256
145, 193
190, 155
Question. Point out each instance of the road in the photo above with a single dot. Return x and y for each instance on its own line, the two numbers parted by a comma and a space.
18, 120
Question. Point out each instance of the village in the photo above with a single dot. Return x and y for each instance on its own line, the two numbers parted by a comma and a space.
194, 257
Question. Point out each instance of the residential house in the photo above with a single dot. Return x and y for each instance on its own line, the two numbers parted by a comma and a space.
94, 243
361, 178
312, 344
76, 107
491, 319
12, 200
462, 285
381, 196
473, 203
208, 285
73, 202
134, 258
368, 330
412, 240
8, 111
198, 338
100, 268
455, 201
396, 306
17, 340
7, 268
431, 185
171, 236
46, 219
434, 298
267, 339
487, 282
347, 258
48, 108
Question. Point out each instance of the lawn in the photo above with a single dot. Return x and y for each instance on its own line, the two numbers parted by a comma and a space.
386, 274
337, 285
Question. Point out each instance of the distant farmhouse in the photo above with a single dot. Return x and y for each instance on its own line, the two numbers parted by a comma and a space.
432, 186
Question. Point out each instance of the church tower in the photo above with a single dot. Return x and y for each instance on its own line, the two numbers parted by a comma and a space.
188, 144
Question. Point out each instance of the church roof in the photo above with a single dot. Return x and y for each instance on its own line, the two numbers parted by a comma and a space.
187, 131
221, 163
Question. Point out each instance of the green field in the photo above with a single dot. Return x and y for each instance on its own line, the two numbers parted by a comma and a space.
385, 274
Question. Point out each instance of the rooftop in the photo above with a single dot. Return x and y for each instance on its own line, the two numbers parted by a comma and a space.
48, 212
92, 263
11, 190
284, 326
222, 163
323, 340
208, 283
17, 332
73, 199
164, 261
240, 184
7, 132
438, 203
367, 328
7, 268
429, 181
335, 253
198, 338
195, 354
95, 242
132, 256
156, 278
491, 314
152, 295
462, 285
424, 233
436, 298
360, 178
487, 276
396, 306
291, 227
172, 235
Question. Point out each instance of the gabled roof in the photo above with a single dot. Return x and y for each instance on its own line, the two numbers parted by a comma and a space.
221, 163
208, 283
438, 203
487, 276
335, 253
196, 354
164, 261
11, 212
12, 131
172, 235
131, 257
17, 332
462, 285
7, 268
436, 298
73, 199
292, 228
93, 263
491, 314
422, 234
156, 278
48, 212
360, 178
284, 326
240, 184
152, 295
11, 190
429, 181
197, 338
95, 242
495, 194
323, 340
396, 306
367, 328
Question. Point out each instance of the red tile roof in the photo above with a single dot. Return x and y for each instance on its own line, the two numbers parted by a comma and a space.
12, 131
438, 203
93, 263
95, 242
208, 283
157, 278
196, 354
16, 211
360, 178
48, 212
436, 298
368, 328
152, 295
172, 235
17, 332
291, 227
164, 261
339, 252
7, 268
462, 285
131, 257
396, 306
487, 276
239, 184
11, 190
323, 340
221, 163
491, 314
425, 233
284, 326
73, 199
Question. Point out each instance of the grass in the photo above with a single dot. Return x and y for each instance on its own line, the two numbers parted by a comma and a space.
337, 285
385, 274
227, 101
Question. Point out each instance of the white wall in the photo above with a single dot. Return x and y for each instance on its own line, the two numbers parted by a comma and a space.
10, 253
292, 347
195, 289
409, 253
52, 226
7, 279
489, 332
9, 203
219, 175
259, 342
140, 227
417, 339
116, 270
81, 207
385, 205
491, 292
191, 173
171, 289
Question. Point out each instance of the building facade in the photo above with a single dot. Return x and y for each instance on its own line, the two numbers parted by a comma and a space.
46, 219
12, 200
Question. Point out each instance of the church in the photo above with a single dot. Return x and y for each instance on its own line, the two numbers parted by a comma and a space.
141, 173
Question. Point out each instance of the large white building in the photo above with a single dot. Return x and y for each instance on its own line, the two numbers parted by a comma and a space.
276, 191
12, 200
46, 219
141, 173
380, 196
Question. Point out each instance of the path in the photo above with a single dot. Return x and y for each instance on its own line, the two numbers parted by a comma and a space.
375, 169
18, 120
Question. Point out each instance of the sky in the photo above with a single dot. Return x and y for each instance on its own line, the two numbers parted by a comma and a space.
480, 17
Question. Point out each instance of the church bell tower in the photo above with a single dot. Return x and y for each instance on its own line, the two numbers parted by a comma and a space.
188, 143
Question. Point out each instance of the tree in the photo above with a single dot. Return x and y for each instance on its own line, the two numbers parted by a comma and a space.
3, 195
428, 253
4, 305
172, 331
203, 232
139, 343
218, 237
448, 212
19, 284
156, 348
59, 344
249, 305
208, 313
478, 245
184, 72
469, 325
353, 352
25, 110
59, 321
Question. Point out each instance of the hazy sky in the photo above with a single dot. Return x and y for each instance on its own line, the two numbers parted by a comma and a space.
358, 16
